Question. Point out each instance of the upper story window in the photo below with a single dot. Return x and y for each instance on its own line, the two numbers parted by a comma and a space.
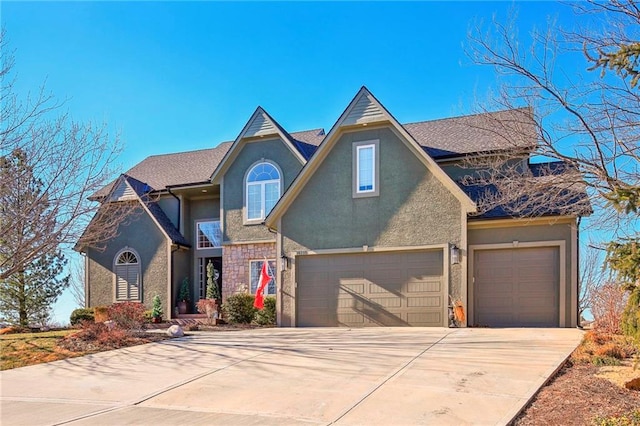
365, 169
209, 234
262, 190
127, 275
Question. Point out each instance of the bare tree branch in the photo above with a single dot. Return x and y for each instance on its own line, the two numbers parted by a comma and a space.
73, 161
588, 121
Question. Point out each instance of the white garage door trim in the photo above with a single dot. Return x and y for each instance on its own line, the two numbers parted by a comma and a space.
560, 244
367, 249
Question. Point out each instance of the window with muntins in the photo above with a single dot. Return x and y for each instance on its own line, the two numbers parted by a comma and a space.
256, 266
127, 271
262, 190
209, 234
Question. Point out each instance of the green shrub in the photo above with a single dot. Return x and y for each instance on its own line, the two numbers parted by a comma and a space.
127, 315
600, 361
157, 307
81, 314
238, 308
266, 316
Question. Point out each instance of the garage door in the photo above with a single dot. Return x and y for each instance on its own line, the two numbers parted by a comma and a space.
516, 287
370, 289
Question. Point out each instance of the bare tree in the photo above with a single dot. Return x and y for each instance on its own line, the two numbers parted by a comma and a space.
592, 276
76, 282
72, 160
587, 120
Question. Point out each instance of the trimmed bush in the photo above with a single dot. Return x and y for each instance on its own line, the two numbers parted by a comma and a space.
80, 315
238, 308
267, 316
127, 315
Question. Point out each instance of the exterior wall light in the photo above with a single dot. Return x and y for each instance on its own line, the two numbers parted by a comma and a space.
455, 255
284, 263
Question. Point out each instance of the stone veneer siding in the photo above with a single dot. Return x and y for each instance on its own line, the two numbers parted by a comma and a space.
235, 264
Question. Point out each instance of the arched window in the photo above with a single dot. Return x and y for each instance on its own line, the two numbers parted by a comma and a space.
262, 190
127, 272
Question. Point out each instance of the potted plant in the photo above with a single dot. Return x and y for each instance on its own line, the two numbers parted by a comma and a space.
156, 312
183, 297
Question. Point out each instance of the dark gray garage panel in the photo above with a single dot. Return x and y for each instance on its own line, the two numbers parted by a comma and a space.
371, 289
517, 287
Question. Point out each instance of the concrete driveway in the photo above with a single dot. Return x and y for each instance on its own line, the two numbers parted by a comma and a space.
295, 376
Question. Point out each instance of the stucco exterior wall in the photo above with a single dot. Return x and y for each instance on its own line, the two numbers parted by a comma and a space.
273, 150
522, 231
171, 207
413, 209
142, 235
182, 260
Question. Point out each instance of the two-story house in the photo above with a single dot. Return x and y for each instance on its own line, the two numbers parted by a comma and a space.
368, 224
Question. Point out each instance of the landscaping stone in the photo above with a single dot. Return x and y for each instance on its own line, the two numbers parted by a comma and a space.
175, 331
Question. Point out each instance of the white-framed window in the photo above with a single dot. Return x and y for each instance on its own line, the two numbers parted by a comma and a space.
262, 190
208, 234
365, 168
128, 280
255, 266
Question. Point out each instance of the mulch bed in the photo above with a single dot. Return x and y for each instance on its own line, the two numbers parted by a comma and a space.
575, 397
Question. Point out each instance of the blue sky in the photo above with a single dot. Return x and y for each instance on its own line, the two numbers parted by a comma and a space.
173, 77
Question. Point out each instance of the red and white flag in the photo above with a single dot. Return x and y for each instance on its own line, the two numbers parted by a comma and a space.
262, 283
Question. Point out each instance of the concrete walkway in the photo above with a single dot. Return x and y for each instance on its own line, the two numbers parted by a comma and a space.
295, 376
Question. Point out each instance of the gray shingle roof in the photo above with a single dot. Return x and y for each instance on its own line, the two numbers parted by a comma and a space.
565, 201
307, 141
452, 137
443, 138
163, 171
157, 212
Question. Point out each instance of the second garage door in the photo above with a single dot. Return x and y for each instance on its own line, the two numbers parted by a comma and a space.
516, 287
371, 289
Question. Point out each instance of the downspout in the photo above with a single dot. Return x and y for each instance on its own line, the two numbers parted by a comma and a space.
171, 304
578, 268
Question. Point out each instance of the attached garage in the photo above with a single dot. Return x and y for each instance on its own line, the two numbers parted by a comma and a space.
516, 287
406, 288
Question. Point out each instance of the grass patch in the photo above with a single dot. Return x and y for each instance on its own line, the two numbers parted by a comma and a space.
629, 419
22, 349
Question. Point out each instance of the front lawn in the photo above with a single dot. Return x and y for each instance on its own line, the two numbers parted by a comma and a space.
22, 349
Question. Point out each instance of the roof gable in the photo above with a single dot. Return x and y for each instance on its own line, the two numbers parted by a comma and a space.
155, 212
364, 110
259, 125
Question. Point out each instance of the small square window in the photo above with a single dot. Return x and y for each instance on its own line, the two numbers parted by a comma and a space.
209, 234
